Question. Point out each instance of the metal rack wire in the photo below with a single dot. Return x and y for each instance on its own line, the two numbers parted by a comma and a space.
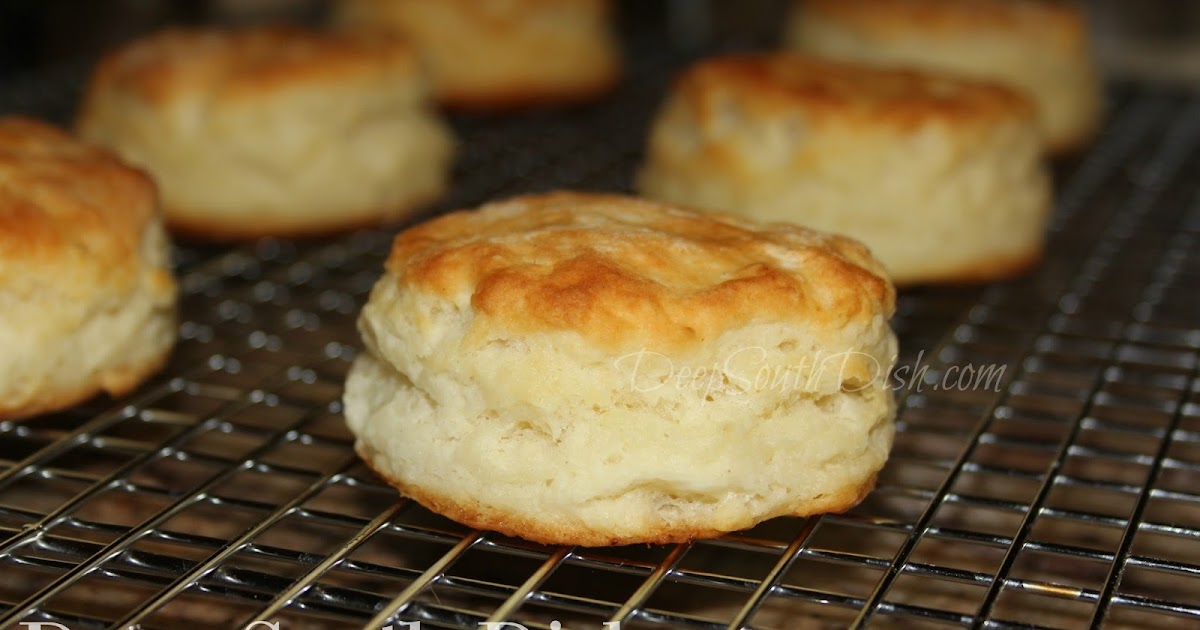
1061, 492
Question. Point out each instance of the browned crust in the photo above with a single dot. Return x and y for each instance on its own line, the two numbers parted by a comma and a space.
1057, 22
622, 271
187, 225
116, 382
991, 270
549, 530
69, 203
1069, 146
374, 11
518, 96
783, 82
249, 62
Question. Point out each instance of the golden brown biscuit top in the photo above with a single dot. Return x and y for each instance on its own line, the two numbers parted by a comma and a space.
248, 63
1053, 20
621, 271
67, 205
773, 83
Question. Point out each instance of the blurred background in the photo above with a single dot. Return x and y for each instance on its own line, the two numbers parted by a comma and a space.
1155, 40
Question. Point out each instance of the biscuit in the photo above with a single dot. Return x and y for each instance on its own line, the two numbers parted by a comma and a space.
85, 288
941, 177
273, 131
1040, 48
598, 370
496, 54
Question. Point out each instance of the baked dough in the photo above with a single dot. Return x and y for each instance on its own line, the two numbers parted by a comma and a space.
941, 177
1038, 47
599, 370
499, 54
272, 131
86, 293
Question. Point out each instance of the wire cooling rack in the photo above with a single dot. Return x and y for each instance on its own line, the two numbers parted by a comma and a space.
1046, 472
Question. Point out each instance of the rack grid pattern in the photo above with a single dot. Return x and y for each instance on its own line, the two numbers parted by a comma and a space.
1060, 490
